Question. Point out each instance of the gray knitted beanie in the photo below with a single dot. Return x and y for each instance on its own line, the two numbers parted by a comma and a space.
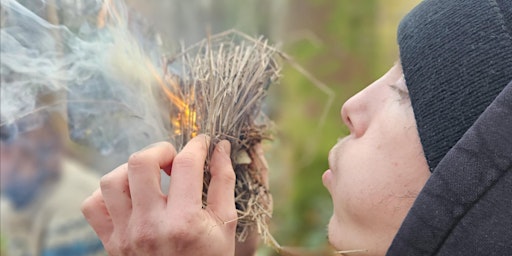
456, 57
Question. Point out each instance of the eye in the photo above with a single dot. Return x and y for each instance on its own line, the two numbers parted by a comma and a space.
404, 94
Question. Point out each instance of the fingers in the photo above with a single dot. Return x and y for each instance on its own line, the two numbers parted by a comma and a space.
144, 175
221, 191
96, 213
116, 195
186, 184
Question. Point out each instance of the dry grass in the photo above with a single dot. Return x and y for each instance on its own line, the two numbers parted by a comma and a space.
217, 87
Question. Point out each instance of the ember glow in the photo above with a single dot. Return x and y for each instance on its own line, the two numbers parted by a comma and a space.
186, 116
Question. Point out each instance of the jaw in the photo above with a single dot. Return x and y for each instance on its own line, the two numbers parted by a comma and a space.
331, 234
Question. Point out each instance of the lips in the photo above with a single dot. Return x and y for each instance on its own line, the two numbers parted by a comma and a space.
330, 158
332, 152
326, 178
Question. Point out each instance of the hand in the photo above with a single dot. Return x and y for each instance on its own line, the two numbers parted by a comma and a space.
132, 216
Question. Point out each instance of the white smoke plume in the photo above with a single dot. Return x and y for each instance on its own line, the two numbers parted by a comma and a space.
100, 72
99, 58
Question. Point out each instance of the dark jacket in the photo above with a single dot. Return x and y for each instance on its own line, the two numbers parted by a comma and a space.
465, 207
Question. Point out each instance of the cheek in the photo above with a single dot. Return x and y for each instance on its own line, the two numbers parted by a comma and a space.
386, 176
376, 182
366, 198
359, 187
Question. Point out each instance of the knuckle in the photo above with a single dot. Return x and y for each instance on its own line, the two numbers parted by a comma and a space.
106, 182
204, 137
124, 247
136, 159
118, 245
169, 147
185, 160
87, 206
186, 218
185, 228
229, 177
165, 146
109, 180
144, 236
182, 234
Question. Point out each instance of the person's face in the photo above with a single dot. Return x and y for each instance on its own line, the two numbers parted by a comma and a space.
377, 171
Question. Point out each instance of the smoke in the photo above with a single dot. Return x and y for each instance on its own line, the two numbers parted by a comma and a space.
101, 67
101, 63
100, 75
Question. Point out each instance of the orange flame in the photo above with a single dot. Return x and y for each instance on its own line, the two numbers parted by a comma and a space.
185, 119
187, 115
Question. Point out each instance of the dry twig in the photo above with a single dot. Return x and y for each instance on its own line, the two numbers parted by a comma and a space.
217, 87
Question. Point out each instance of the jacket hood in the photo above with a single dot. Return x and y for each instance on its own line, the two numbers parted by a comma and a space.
465, 207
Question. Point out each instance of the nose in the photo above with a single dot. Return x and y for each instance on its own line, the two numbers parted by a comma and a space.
354, 114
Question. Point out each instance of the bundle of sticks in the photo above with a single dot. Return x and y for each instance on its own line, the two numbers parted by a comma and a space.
217, 87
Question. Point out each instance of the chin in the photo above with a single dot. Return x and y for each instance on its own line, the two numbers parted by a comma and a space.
331, 234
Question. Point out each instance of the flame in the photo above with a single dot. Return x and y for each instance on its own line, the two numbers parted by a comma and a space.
187, 116
184, 122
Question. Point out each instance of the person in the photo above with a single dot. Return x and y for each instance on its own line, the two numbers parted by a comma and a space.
41, 191
426, 169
